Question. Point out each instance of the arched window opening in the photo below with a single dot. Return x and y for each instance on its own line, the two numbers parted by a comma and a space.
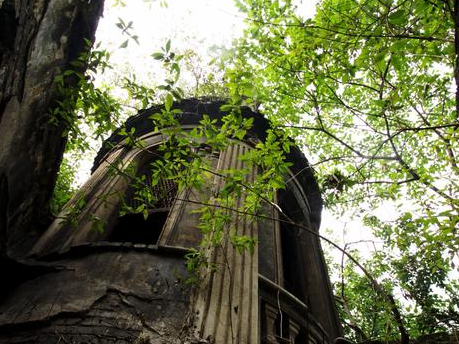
147, 204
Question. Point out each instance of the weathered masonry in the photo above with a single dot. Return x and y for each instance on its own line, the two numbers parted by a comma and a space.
125, 284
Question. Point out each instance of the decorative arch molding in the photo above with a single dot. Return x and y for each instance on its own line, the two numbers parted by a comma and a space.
99, 200
100, 197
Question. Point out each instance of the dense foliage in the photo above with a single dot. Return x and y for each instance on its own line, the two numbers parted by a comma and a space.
369, 88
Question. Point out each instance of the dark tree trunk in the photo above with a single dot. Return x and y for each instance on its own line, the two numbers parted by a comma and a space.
37, 38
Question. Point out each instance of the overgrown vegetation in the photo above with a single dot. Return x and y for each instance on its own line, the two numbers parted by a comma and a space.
370, 90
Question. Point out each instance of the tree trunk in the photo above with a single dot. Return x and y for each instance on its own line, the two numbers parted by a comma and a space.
37, 39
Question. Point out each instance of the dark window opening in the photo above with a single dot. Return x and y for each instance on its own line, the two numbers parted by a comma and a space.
135, 229
289, 258
302, 337
154, 199
267, 245
290, 245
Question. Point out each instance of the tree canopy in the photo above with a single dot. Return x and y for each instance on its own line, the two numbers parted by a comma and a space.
370, 90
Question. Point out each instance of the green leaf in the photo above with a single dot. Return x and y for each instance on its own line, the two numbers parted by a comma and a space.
398, 17
380, 57
168, 45
158, 56
169, 102
226, 107
397, 62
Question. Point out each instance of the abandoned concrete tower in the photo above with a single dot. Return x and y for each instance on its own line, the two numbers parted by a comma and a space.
125, 284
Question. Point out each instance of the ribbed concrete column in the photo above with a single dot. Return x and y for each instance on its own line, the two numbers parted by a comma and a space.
226, 301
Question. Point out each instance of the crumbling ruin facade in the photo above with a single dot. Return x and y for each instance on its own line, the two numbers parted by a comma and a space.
125, 284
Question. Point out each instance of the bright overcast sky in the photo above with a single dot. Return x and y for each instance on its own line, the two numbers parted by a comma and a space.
197, 25
216, 21
187, 22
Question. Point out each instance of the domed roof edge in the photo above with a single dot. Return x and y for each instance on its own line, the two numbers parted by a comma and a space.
193, 111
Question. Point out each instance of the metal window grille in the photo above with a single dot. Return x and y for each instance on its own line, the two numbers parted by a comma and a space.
158, 197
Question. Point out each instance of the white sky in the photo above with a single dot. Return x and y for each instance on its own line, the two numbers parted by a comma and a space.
197, 25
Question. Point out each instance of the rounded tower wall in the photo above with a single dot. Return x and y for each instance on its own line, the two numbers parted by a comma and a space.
279, 292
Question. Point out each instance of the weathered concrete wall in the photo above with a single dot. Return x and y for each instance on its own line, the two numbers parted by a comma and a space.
101, 294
